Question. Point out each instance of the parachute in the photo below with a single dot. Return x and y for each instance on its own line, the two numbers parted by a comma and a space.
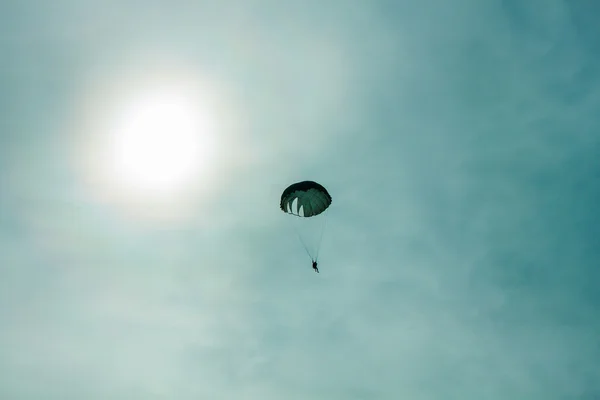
312, 199
306, 199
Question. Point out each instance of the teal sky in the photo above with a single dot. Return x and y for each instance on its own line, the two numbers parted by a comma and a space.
460, 143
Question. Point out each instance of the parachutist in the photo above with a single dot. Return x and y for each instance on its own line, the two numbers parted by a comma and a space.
306, 199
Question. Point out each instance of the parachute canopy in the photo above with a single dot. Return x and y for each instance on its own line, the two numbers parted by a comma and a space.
312, 198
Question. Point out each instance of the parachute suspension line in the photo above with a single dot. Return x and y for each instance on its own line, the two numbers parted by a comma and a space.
321, 237
303, 244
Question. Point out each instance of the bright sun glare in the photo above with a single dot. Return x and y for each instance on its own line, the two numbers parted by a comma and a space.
150, 142
160, 142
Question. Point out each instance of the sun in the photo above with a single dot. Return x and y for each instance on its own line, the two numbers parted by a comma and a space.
160, 141
154, 144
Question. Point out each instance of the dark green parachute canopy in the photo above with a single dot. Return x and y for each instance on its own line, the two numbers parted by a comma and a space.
313, 199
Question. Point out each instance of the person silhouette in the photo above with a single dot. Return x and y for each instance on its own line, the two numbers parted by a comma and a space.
314, 265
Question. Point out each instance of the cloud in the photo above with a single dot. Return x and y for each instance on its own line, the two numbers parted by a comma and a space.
459, 144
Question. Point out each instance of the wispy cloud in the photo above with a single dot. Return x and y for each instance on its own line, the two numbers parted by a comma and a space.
459, 142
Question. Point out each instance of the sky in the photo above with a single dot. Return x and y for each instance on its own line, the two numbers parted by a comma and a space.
459, 142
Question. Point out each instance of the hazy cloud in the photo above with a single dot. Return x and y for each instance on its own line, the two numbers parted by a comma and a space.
459, 141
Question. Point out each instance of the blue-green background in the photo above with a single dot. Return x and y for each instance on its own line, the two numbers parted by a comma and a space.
459, 140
